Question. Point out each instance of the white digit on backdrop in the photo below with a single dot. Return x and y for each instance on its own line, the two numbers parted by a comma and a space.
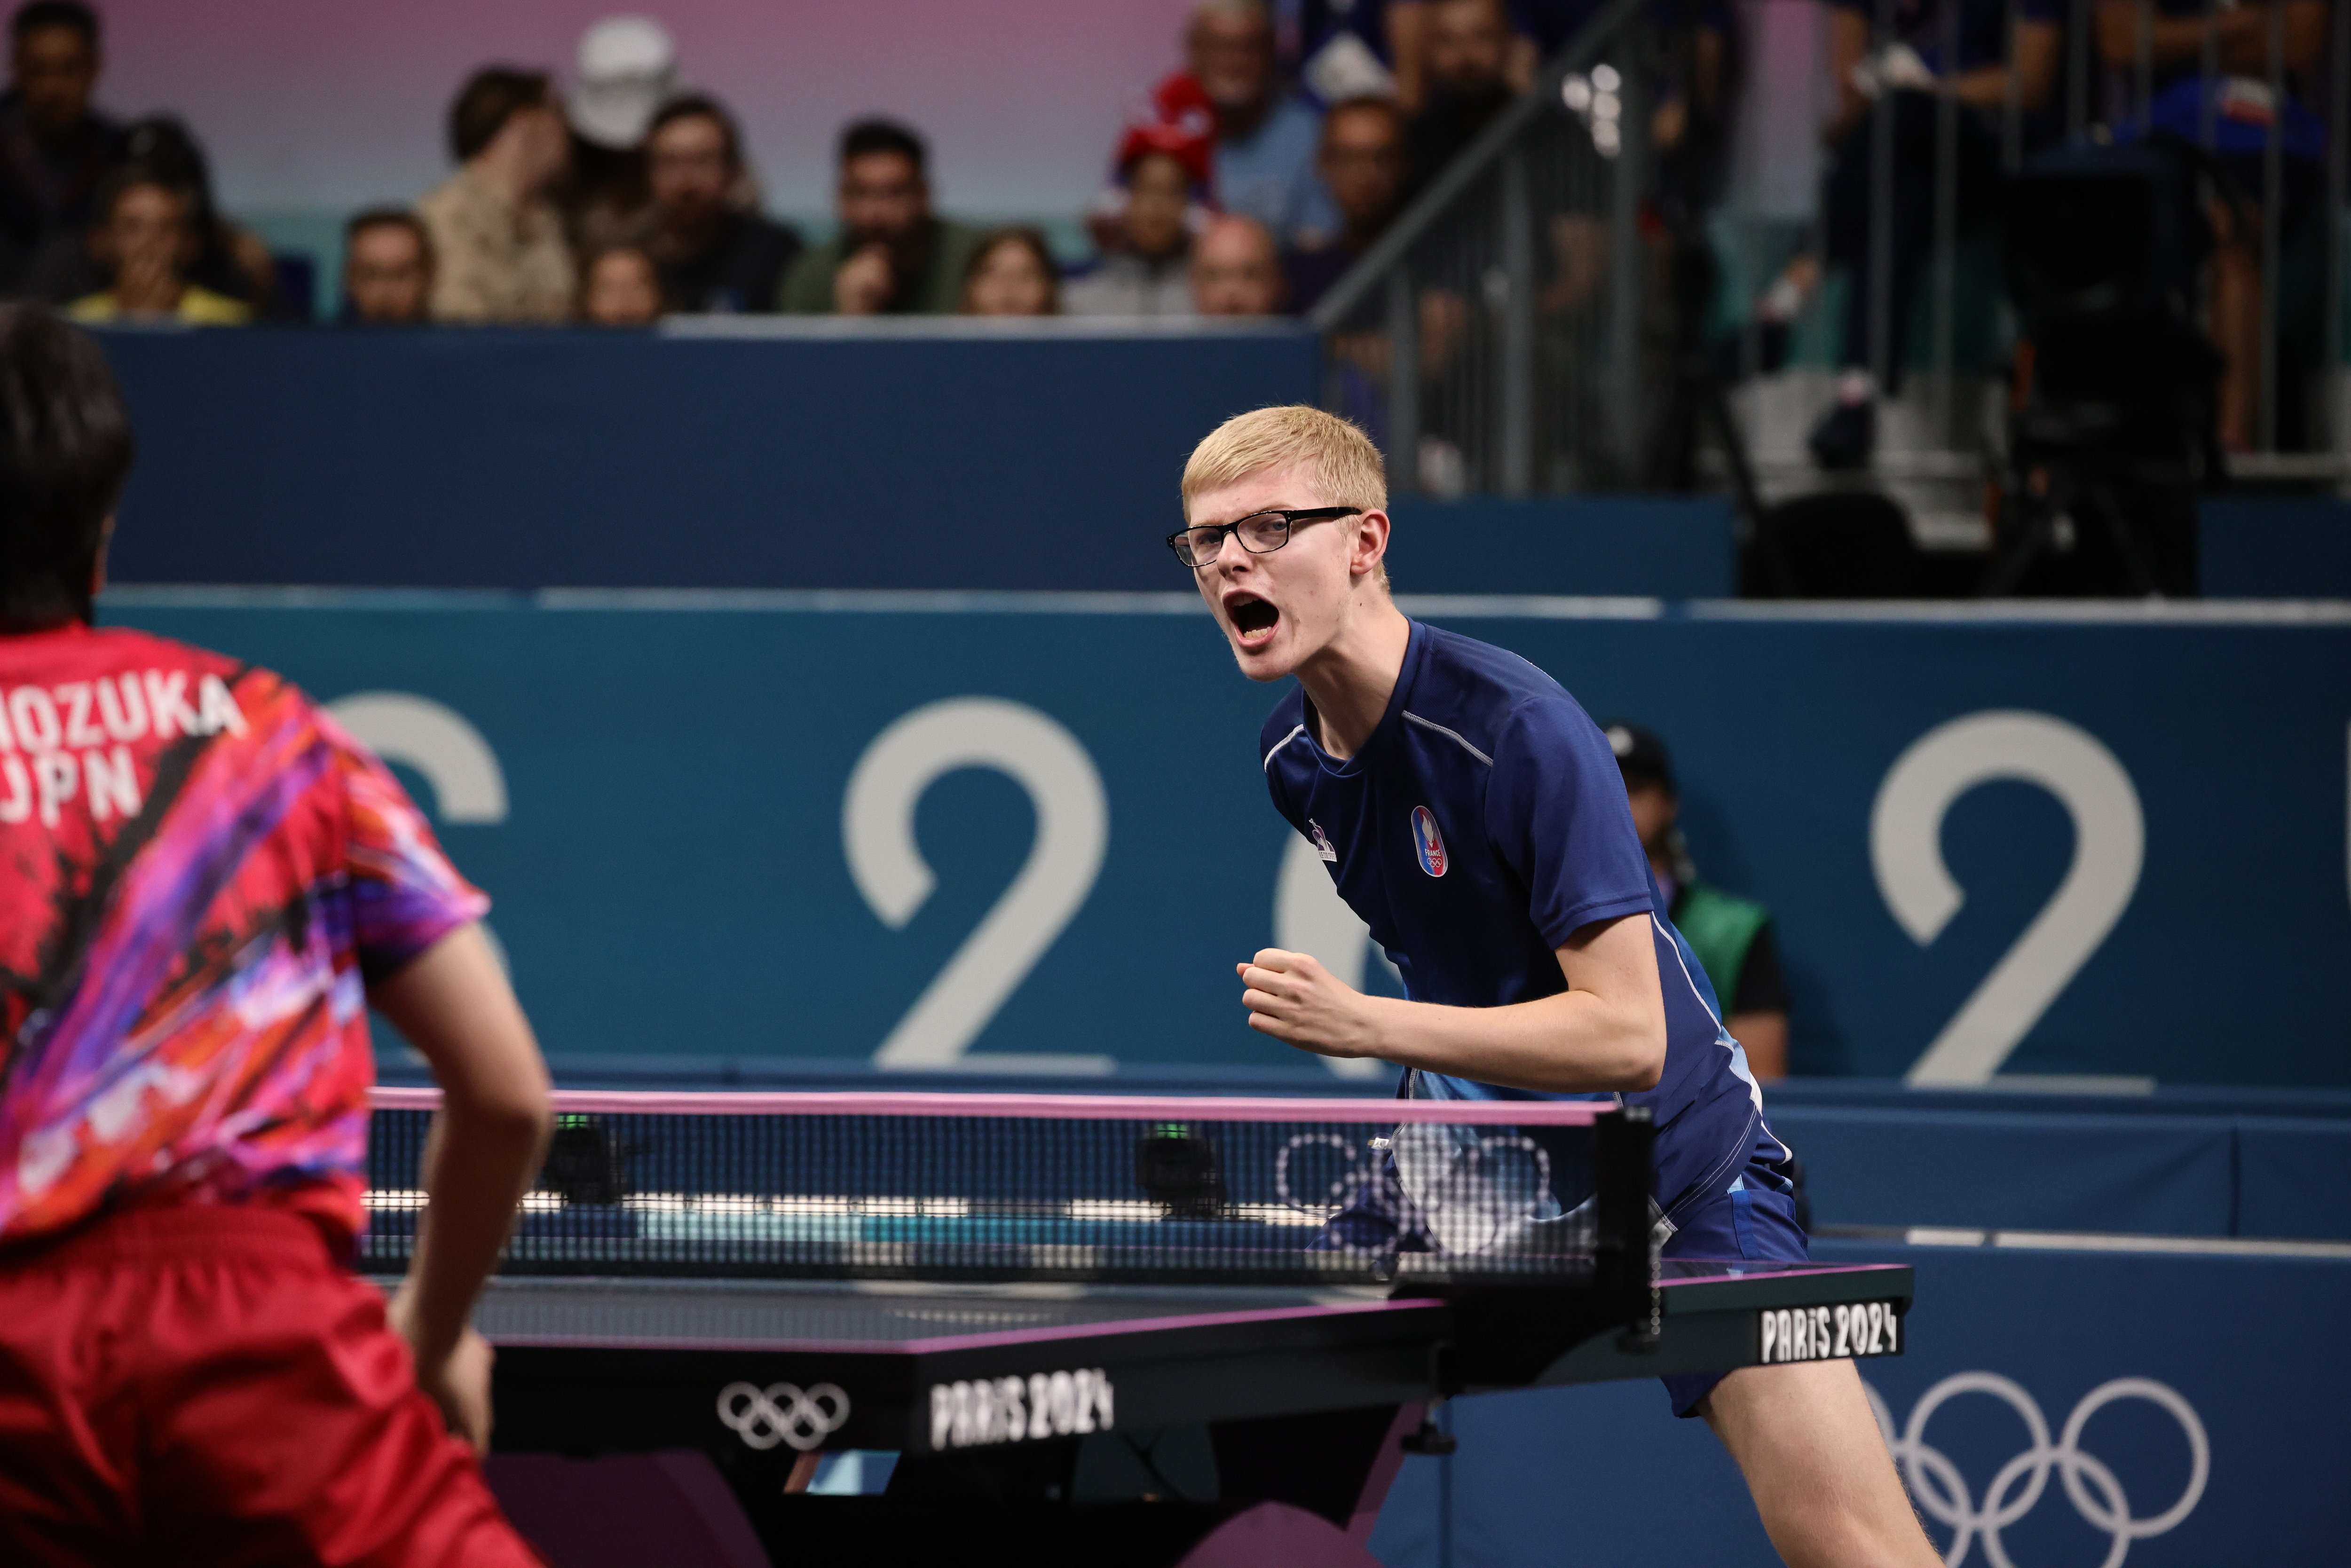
1906, 848
877, 830
468, 785
1309, 917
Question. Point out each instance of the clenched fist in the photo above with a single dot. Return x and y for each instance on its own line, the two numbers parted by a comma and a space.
1292, 996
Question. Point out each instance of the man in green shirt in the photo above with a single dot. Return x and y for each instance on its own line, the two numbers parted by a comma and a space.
892, 255
1732, 936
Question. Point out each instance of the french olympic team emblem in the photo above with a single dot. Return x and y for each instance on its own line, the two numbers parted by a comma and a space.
1428, 843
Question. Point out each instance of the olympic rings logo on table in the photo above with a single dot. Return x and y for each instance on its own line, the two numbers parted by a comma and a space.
783, 1413
2096, 1495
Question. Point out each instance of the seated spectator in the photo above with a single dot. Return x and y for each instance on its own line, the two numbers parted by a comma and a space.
619, 288
54, 147
1909, 67
627, 68
2239, 36
1236, 269
1012, 273
714, 256
892, 255
1266, 137
387, 268
1363, 162
1732, 938
228, 260
144, 236
1143, 267
1468, 53
498, 239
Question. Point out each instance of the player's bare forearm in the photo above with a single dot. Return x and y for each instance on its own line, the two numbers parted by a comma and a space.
454, 1004
1606, 1032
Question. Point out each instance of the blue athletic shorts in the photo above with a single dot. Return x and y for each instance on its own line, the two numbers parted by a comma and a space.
1755, 1221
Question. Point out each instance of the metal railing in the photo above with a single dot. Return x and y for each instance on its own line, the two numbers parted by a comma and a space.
1515, 332
1492, 338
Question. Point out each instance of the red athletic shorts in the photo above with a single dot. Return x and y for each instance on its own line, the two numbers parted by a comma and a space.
205, 1384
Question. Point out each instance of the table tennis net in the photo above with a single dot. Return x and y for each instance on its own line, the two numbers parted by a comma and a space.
1200, 1191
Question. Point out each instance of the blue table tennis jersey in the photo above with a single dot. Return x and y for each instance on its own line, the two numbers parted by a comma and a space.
1482, 824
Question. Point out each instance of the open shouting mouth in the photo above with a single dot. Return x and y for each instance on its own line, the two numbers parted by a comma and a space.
1253, 620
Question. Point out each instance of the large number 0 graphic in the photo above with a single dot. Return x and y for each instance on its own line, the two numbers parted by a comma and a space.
877, 829
1906, 848
1309, 917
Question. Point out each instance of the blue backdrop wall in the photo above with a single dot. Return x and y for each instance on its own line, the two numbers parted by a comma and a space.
2043, 1411
966, 832
937, 454
519, 459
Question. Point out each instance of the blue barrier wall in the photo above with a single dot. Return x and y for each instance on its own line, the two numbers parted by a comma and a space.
2245, 1352
2270, 548
678, 792
938, 455
518, 459
2053, 1168
1669, 547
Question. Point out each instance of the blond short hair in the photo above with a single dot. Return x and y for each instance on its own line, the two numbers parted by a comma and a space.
1347, 467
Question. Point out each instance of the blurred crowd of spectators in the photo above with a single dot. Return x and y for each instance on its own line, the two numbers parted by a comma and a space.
1244, 184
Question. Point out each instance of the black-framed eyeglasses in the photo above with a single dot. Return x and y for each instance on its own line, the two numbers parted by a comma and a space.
1260, 533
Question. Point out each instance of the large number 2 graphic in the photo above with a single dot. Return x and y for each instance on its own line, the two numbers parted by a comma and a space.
1906, 830
877, 830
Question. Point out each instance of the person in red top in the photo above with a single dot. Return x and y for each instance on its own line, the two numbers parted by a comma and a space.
205, 883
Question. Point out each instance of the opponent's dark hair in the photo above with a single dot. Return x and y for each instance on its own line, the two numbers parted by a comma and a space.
491, 96
701, 106
868, 137
65, 449
35, 15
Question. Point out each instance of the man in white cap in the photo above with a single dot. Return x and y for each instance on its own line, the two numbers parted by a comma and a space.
627, 68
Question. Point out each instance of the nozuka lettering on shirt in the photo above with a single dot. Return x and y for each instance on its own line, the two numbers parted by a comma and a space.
65, 743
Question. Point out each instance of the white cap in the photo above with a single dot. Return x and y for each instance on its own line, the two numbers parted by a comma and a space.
627, 67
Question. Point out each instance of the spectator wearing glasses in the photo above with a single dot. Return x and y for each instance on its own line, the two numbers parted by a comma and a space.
1236, 270
387, 268
145, 240
497, 233
893, 256
1364, 164
1266, 135
714, 256
54, 147
1732, 936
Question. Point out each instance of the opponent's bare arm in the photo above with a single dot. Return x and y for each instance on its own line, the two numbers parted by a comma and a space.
1606, 1031
452, 1003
